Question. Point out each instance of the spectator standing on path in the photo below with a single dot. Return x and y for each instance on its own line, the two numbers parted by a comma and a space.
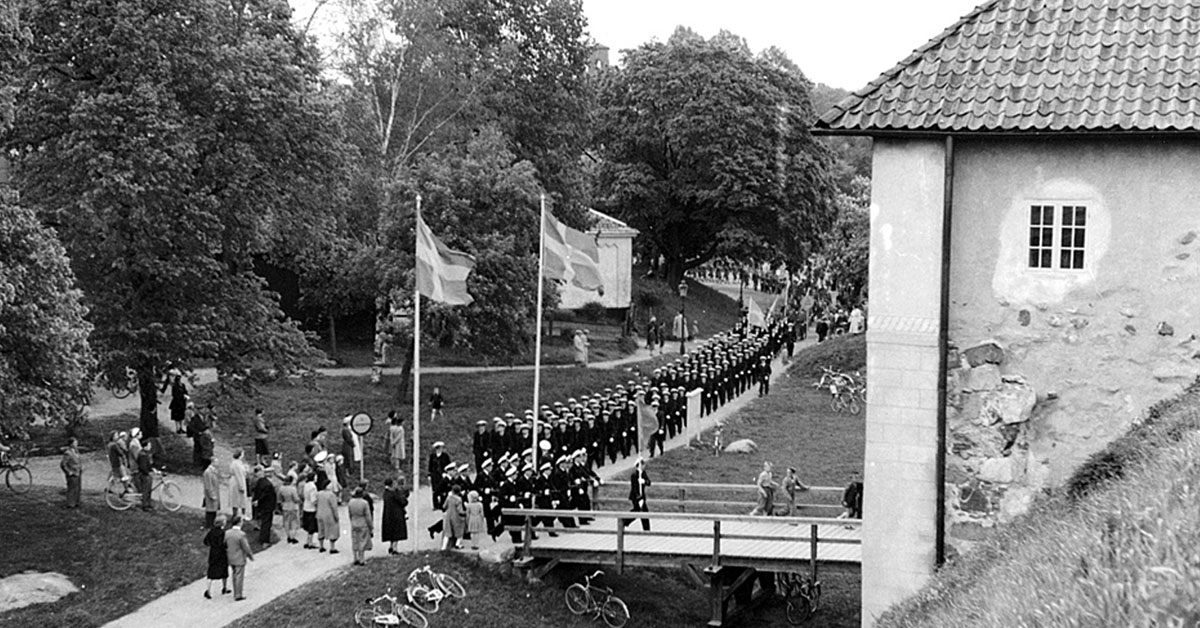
239, 499
822, 328
328, 519
179, 399
347, 444
308, 509
766, 492
289, 500
218, 557
856, 321
852, 498
237, 550
436, 403
145, 468
116, 457
476, 524
212, 493
652, 335
265, 500
395, 515
72, 468
454, 520
262, 453
202, 446
360, 526
638, 481
580, 343
397, 446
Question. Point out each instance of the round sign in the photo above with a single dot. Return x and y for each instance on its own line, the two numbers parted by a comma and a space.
360, 423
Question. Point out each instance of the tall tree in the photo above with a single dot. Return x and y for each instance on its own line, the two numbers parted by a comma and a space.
171, 141
706, 145
847, 244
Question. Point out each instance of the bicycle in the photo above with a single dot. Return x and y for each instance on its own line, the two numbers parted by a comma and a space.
803, 597
580, 599
17, 476
428, 596
119, 494
386, 610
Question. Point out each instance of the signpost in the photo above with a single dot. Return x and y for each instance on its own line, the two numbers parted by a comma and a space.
360, 424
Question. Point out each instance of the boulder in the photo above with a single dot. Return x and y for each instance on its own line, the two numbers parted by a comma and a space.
30, 587
985, 353
982, 377
1001, 470
971, 441
743, 446
1012, 402
1016, 502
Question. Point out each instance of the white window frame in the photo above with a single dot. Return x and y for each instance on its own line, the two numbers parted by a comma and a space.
1059, 223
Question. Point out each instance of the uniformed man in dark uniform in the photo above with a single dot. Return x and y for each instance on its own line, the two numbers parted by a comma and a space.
438, 460
481, 442
560, 487
544, 496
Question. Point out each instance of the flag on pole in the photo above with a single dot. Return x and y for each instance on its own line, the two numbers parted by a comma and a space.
570, 255
647, 422
771, 310
754, 315
441, 271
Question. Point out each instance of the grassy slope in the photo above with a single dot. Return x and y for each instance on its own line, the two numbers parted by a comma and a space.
1125, 554
120, 560
793, 426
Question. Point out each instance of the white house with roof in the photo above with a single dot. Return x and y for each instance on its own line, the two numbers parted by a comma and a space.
1035, 260
614, 240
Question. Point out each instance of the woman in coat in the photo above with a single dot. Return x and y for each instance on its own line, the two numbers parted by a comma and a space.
328, 519
454, 520
360, 526
218, 561
395, 514
239, 497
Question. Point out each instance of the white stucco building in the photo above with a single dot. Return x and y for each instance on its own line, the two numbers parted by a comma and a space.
614, 240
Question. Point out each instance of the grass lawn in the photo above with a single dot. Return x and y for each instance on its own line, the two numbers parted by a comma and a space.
294, 411
793, 426
659, 598
119, 560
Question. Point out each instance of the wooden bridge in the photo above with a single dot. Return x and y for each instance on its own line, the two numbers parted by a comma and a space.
728, 553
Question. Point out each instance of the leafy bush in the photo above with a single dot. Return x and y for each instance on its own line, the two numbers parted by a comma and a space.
627, 344
592, 311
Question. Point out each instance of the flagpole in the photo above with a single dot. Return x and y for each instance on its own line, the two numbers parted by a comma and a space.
537, 343
416, 400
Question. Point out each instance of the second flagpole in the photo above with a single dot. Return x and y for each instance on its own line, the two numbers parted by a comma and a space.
537, 343
416, 460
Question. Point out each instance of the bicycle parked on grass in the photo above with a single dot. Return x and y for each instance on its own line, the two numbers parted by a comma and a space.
803, 595
120, 494
386, 610
427, 589
17, 476
581, 598
847, 393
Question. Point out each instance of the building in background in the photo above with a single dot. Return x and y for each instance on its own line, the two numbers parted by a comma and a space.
614, 240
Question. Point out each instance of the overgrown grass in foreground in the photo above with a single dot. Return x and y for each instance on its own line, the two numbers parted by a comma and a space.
658, 598
119, 560
1122, 553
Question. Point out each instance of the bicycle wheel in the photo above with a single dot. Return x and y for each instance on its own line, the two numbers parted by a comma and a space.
18, 479
117, 495
449, 585
798, 609
579, 599
365, 617
170, 496
420, 598
852, 405
615, 612
412, 616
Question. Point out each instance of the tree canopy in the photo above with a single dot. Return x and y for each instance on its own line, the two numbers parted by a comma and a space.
706, 148
170, 142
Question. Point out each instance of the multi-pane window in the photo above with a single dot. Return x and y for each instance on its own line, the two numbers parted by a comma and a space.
1056, 236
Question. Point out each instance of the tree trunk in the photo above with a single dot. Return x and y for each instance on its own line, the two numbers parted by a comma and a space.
672, 270
148, 391
405, 374
332, 337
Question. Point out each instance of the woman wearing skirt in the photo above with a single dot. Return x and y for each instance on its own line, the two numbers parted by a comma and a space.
360, 526
218, 560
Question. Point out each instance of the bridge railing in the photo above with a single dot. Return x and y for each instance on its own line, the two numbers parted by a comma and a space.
623, 518
708, 498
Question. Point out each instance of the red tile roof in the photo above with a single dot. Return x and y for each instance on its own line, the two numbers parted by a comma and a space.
1043, 66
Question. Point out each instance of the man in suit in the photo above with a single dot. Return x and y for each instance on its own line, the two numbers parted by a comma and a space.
638, 481
212, 493
237, 550
72, 468
265, 501
145, 476
852, 498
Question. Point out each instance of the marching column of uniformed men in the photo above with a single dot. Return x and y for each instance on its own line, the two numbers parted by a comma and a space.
585, 433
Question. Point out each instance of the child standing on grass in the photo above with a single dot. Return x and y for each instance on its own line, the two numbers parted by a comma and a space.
436, 403
476, 525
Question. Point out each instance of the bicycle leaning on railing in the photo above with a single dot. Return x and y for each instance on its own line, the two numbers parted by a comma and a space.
426, 589
17, 476
803, 595
386, 610
582, 597
121, 494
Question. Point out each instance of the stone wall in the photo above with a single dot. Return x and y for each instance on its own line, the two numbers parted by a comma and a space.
1053, 365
